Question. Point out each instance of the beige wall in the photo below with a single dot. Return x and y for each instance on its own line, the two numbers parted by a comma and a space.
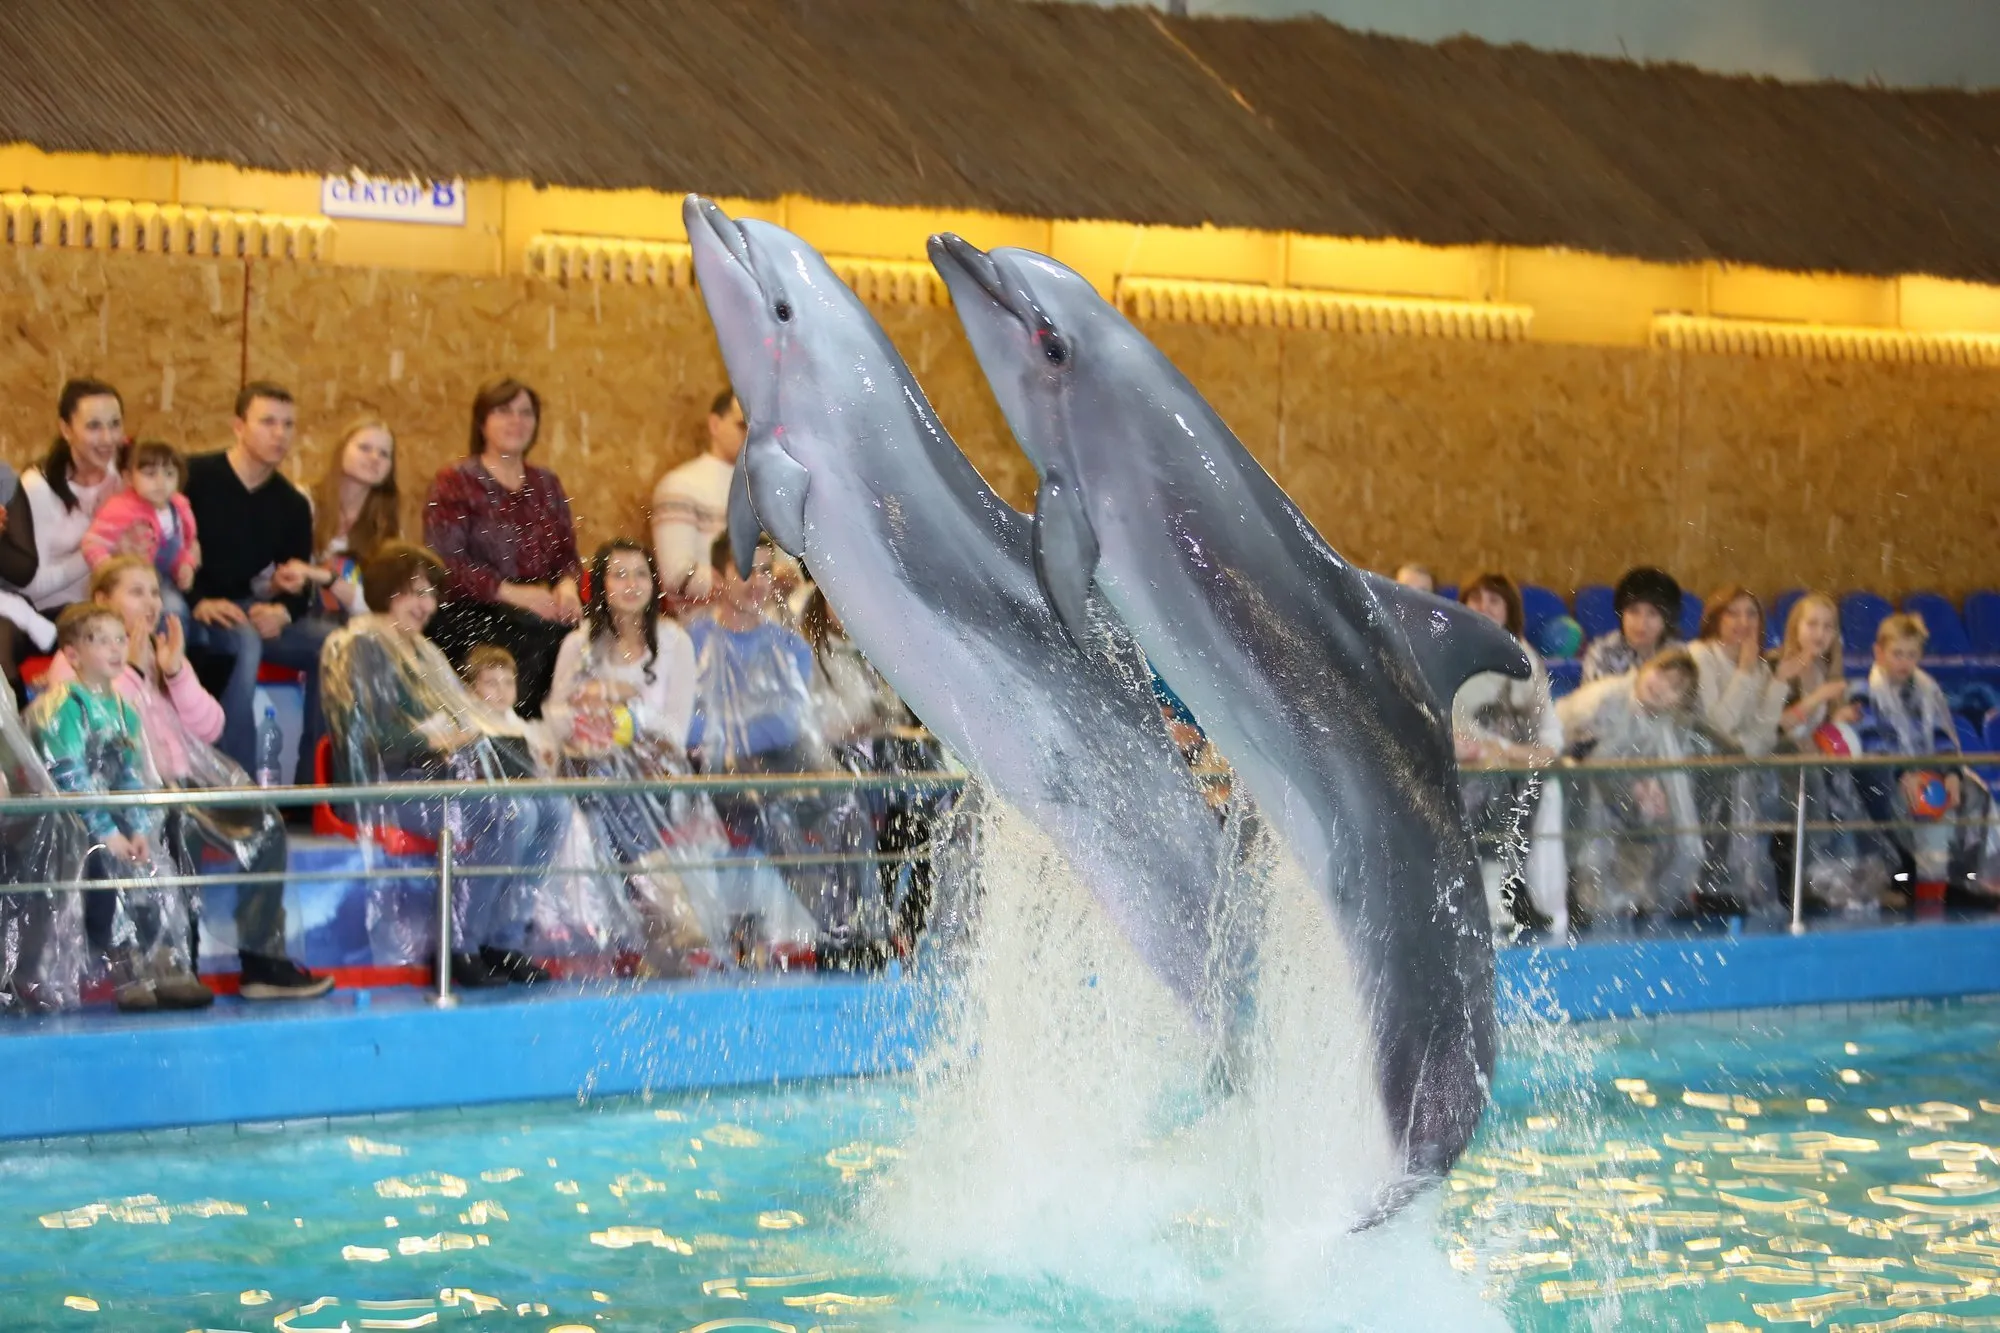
1562, 464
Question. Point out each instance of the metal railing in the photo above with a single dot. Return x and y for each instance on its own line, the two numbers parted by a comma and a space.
445, 794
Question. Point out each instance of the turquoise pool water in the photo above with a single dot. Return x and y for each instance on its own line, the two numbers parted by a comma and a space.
1829, 1170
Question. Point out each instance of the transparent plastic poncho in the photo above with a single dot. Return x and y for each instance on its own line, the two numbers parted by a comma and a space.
1515, 820
1641, 848
42, 952
755, 714
397, 712
92, 742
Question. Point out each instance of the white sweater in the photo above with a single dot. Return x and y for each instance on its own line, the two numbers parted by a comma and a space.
661, 709
61, 574
690, 510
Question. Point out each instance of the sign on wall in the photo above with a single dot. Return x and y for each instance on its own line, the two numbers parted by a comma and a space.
437, 203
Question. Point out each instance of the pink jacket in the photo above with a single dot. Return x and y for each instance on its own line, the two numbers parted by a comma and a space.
185, 710
124, 520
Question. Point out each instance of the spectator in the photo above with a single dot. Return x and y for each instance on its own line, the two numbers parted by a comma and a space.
181, 721
41, 930
1418, 577
856, 707
93, 743
253, 593
1648, 602
502, 526
355, 509
1643, 853
1905, 713
151, 519
1807, 663
1844, 870
41, 546
490, 674
627, 676
397, 712
1742, 699
754, 713
691, 503
1741, 703
1497, 720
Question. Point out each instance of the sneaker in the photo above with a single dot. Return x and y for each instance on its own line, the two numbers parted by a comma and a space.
279, 979
183, 990
137, 997
514, 966
471, 971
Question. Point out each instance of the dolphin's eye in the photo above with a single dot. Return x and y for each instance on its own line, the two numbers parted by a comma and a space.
1055, 349
783, 310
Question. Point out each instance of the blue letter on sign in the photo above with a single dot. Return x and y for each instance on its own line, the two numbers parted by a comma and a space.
443, 194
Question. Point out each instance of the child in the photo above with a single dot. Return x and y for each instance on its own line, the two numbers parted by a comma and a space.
92, 741
151, 519
1905, 713
1648, 602
491, 674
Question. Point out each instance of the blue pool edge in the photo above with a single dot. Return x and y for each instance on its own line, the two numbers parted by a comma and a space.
389, 1050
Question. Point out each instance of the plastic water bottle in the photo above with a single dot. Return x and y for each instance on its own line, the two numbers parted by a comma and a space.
270, 749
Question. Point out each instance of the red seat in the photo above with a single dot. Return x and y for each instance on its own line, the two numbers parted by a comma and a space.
35, 672
393, 840
270, 673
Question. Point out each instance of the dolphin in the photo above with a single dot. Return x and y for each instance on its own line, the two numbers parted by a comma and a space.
847, 467
1327, 688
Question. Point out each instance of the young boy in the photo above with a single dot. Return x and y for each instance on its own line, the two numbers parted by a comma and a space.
490, 672
151, 519
93, 743
1905, 713
1648, 602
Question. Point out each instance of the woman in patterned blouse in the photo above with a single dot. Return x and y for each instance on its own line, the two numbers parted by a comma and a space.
503, 527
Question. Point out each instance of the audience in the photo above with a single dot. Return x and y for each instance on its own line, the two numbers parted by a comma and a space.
180, 722
42, 962
397, 713
1499, 720
503, 528
254, 590
41, 548
1808, 665
1648, 603
1416, 576
355, 510
1741, 704
691, 503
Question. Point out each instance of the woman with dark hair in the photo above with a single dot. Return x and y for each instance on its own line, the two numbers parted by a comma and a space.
1497, 720
1648, 602
396, 712
626, 672
355, 510
41, 546
502, 526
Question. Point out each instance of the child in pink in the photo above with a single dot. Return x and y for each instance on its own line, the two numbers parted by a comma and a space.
151, 519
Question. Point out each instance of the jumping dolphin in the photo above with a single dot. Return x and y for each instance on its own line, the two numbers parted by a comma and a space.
931, 573
1327, 688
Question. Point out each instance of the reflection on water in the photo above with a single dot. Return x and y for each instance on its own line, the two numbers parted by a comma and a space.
1825, 1171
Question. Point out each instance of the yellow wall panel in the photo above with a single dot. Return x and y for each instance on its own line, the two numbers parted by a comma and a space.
88, 175
1940, 305
1581, 298
1816, 298
1399, 268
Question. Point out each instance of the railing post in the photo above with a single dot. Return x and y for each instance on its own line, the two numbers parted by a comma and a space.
1799, 859
443, 998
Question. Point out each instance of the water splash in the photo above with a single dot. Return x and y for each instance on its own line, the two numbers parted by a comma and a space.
1068, 1146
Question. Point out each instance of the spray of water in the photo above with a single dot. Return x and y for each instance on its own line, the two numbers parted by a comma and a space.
1070, 1145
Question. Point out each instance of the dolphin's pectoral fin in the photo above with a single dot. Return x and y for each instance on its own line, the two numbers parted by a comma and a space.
1065, 553
1451, 644
744, 526
778, 490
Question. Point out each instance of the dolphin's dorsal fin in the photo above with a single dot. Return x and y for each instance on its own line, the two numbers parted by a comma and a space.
1451, 643
744, 527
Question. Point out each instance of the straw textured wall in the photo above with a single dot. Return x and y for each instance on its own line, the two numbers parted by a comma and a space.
1560, 464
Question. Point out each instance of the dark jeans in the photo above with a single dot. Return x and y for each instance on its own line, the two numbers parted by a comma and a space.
151, 912
260, 908
489, 910
240, 650
460, 626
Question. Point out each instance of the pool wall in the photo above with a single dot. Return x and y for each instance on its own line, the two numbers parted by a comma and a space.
363, 1052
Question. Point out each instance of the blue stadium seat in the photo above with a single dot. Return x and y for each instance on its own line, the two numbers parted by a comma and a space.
1948, 637
1991, 736
1539, 606
1691, 609
1594, 613
1861, 614
1781, 611
1970, 737
1448, 591
1982, 621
